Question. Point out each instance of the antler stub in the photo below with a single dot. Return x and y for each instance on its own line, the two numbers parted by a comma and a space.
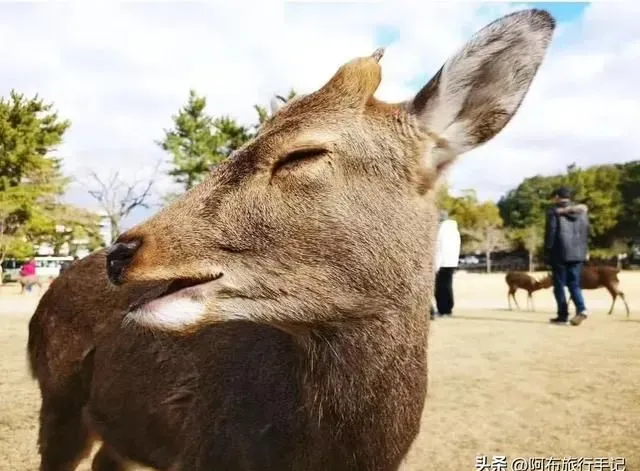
378, 53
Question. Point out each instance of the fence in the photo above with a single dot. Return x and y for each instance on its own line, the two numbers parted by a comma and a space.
502, 262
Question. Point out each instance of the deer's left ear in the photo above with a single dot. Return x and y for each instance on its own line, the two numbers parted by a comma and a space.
479, 89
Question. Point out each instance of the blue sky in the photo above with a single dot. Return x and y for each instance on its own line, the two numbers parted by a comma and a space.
563, 12
120, 70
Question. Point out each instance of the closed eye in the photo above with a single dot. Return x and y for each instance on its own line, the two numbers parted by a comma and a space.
300, 156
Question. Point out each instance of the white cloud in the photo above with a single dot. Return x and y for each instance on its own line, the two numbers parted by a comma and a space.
119, 71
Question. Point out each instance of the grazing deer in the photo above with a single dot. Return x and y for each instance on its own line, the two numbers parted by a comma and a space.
521, 280
595, 277
279, 314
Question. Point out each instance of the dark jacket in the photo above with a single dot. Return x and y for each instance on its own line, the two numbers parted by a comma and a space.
566, 236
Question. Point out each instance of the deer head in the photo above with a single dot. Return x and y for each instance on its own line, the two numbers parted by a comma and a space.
544, 283
328, 213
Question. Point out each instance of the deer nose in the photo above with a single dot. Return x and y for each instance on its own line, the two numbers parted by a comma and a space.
119, 256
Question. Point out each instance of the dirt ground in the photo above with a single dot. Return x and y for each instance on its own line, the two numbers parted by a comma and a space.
501, 383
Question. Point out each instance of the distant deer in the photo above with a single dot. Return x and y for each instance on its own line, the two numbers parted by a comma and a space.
595, 277
521, 280
275, 316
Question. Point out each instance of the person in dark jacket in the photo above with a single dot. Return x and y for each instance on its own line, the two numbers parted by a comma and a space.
566, 248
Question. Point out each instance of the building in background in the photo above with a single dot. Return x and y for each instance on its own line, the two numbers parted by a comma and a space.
79, 247
105, 227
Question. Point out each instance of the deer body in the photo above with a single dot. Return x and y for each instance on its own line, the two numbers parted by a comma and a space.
521, 280
280, 318
595, 277
280, 413
172, 401
77, 310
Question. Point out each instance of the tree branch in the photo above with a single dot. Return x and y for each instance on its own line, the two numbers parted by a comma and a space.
119, 198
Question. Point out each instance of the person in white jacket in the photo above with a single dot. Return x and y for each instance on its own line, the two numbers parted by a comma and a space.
446, 262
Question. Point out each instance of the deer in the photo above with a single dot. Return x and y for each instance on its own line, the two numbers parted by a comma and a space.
276, 315
595, 277
521, 280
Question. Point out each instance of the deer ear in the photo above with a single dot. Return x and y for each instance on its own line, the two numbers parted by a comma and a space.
277, 102
479, 89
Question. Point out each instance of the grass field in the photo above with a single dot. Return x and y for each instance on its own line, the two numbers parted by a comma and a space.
500, 383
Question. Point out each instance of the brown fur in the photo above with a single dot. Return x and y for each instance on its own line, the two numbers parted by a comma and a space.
312, 352
521, 280
595, 277
64, 329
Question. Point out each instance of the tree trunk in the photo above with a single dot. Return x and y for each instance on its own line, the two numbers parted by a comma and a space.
115, 228
530, 261
3, 245
2, 252
488, 254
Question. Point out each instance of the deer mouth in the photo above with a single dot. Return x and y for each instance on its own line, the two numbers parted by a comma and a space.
183, 289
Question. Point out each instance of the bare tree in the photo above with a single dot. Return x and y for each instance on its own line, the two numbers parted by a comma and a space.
484, 228
532, 241
488, 238
530, 238
492, 239
118, 198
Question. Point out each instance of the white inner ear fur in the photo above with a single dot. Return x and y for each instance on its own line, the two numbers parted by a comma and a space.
480, 88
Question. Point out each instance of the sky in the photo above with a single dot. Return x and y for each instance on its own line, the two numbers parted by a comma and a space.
120, 70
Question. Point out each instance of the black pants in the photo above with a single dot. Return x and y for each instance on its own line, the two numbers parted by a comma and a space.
444, 290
